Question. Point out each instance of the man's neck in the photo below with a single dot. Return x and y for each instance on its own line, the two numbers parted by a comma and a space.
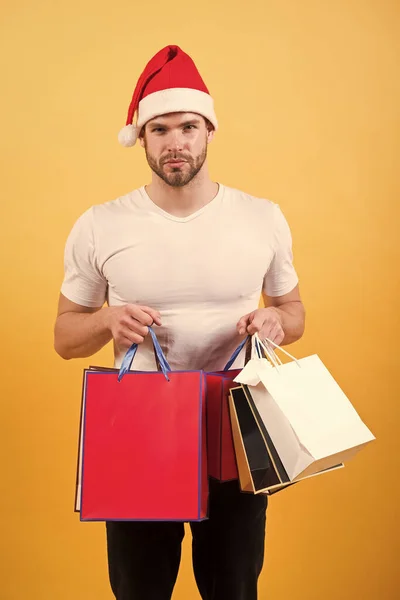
186, 200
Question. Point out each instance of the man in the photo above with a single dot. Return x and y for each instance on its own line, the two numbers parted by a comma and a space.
192, 256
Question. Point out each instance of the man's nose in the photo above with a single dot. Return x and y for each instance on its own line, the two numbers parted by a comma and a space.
175, 142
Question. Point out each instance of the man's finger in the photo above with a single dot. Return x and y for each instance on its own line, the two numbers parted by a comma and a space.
256, 323
266, 330
135, 326
274, 333
154, 314
243, 323
146, 315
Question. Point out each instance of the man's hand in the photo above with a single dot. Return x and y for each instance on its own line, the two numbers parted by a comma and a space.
81, 331
129, 324
266, 321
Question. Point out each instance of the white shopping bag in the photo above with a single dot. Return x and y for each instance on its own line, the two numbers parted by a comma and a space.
309, 419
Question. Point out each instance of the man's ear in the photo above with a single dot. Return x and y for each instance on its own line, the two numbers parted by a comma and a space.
210, 130
141, 136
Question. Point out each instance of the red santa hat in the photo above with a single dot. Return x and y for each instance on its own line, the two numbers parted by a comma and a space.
170, 83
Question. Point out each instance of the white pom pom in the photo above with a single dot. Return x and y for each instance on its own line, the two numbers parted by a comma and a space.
127, 136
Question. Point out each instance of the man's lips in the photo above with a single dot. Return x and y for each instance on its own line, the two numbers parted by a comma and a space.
175, 162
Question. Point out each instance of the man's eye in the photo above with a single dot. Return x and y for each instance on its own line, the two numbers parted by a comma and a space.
190, 127
158, 130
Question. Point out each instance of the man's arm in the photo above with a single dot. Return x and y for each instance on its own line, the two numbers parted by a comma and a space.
81, 331
282, 320
291, 311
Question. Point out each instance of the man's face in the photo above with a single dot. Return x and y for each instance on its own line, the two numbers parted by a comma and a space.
176, 146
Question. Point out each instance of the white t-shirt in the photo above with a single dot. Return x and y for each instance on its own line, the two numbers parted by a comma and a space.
202, 272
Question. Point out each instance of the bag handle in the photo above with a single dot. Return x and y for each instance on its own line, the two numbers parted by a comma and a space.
236, 354
130, 355
266, 351
271, 353
255, 349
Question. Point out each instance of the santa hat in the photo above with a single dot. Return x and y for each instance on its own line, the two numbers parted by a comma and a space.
170, 83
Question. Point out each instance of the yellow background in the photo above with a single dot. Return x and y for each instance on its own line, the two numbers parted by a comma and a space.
308, 96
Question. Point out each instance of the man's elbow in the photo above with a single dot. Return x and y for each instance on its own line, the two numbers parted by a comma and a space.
298, 336
301, 326
62, 351
296, 331
292, 338
60, 347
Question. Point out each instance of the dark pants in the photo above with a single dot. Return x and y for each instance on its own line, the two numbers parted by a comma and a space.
228, 550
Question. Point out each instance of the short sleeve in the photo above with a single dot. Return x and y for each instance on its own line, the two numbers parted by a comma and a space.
281, 277
83, 282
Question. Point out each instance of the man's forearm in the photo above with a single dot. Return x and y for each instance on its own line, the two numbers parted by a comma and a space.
79, 335
292, 315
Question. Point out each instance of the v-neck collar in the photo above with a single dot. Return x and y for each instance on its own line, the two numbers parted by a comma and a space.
194, 215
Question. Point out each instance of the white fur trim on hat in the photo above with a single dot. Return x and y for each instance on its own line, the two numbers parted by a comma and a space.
176, 100
128, 135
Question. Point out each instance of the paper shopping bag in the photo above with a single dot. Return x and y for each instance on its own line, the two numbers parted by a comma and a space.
311, 422
220, 450
143, 444
259, 465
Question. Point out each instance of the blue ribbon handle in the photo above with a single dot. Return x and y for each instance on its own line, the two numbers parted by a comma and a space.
236, 354
239, 349
130, 355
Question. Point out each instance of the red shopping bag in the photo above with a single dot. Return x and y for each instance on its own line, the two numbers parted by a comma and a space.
143, 444
220, 449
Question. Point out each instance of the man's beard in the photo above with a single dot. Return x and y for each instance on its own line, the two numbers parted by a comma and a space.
180, 176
